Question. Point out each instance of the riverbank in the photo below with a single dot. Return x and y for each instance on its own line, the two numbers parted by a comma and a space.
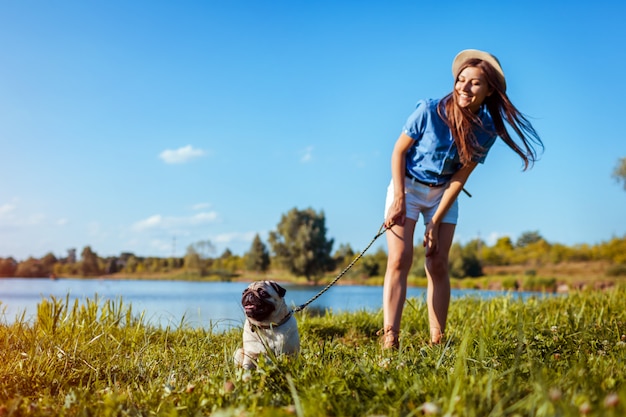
562, 277
501, 357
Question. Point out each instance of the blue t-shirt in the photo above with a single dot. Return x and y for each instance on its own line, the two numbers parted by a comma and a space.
433, 157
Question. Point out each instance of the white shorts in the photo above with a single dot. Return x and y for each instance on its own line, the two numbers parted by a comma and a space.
421, 198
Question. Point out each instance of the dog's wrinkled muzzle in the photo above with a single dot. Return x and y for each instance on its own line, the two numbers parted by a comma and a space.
256, 307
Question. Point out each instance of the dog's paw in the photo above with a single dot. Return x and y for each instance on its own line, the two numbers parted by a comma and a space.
246, 376
238, 357
244, 360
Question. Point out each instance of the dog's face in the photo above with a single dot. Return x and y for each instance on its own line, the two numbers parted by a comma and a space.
263, 301
270, 326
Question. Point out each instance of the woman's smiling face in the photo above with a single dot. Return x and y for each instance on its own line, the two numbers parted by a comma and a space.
471, 89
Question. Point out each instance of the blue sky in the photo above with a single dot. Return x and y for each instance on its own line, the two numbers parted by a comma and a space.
146, 126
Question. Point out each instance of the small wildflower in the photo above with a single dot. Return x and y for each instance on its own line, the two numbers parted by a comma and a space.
557, 356
611, 400
384, 363
190, 387
429, 408
584, 408
555, 394
554, 329
624, 338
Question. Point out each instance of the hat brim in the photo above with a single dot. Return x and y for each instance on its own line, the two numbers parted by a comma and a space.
468, 54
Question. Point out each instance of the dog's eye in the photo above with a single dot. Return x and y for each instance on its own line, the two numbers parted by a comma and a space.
263, 293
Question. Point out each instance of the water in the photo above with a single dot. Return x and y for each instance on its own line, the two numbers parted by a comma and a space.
200, 304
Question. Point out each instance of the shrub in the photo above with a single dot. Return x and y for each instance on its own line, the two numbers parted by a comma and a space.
618, 270
534, 283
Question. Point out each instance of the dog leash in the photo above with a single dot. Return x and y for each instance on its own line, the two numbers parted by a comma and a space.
381, 231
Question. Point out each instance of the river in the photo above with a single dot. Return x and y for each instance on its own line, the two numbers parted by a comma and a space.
213, 305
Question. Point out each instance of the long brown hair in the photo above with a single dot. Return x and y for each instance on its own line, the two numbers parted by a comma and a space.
462, 122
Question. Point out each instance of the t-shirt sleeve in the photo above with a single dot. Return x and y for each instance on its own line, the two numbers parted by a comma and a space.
416, 123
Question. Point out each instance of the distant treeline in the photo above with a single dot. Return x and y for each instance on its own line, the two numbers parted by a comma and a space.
465, 260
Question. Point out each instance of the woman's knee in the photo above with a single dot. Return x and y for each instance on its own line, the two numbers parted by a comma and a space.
437, 265
399, 262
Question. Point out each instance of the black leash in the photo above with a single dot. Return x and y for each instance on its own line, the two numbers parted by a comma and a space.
381, 232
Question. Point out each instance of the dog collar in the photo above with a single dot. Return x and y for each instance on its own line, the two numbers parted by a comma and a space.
271, 325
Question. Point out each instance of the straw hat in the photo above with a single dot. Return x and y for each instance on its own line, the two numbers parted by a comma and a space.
467, 54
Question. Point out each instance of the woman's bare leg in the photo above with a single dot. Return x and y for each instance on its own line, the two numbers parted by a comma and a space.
438, 291
400, 258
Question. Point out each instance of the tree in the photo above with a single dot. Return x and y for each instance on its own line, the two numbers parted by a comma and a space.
8, 267
418, 268
464, 260
258, 258
111, 266
130, 263
226, 254
71, 256
500, 254
528, 238
197, 257
300, 243
48, 262
343, 256
30, 268
620, 171
374, 265
192, 260
204, 248
89, 262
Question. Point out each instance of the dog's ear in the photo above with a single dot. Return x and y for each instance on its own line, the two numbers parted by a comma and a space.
280, 290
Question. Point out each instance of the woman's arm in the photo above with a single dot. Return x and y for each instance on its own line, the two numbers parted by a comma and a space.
452, 191
397, 211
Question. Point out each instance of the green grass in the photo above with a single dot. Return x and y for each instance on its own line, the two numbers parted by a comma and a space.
558, 356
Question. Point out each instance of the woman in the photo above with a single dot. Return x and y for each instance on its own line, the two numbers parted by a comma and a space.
441, 144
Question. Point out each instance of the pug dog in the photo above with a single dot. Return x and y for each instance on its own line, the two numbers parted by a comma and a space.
270, 326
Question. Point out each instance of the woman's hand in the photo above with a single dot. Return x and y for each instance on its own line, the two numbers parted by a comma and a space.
396, 213
431, 238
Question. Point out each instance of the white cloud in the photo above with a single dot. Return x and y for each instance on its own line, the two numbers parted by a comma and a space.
16, 216
149, 223
7, 209
307, 154
226, 238
160, 222
181, 155
204, 217
493, 237
162, 246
